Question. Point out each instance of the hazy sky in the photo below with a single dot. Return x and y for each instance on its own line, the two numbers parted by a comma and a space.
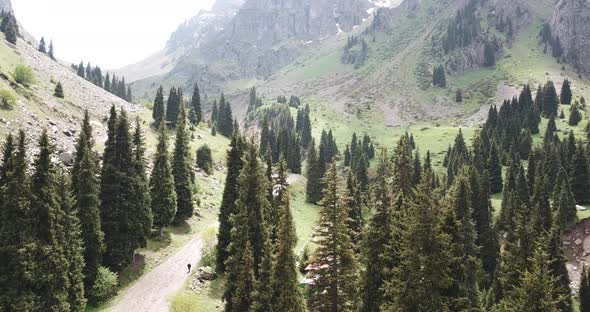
108, 33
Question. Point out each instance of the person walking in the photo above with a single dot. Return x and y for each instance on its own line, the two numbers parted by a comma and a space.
189, 268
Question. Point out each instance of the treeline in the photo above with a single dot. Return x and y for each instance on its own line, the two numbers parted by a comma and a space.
9, 26
112, 84
168, 111
64, 234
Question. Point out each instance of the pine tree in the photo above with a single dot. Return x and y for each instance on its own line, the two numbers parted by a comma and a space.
557, 265
566, 206
73, 245
566, 93
228, 204
18, 248
286, 295
335, 287
313, 190
162, 187
85, 187
550, 101
59, 91
11, 31
494, 168
584, 293
262, 296
196, 113
173, 106
181, 165
42, 47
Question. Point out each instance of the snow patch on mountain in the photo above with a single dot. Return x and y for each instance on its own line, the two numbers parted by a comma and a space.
386, 3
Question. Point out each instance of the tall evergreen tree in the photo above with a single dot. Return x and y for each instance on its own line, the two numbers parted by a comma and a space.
159, 110
566, 93
86, 190
18, 248
162, 187
42, 47
181, 165
494, 168
141, 216
335, 286
228, 204
584, 293
51, 52
173, 106
580, 178
313, 190
196, 113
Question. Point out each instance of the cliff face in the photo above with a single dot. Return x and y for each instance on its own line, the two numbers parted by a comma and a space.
571, 23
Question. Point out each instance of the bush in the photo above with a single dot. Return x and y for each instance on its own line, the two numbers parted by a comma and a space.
105, 286
24, 75
7, 99
204, 159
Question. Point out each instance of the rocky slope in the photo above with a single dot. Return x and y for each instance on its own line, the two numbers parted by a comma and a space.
571, 23
36, 108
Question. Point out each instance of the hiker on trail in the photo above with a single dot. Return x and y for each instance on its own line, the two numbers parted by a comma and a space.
189, 267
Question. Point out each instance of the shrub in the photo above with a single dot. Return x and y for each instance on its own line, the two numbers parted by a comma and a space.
24, 75
7, 99
105, 286
204, 159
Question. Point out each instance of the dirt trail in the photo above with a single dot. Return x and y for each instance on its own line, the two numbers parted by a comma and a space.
151, 292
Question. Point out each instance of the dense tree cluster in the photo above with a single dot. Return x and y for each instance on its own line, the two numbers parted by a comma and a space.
463, 29
9, 26
112, 84
318, 161
222, 117
353, 54
357, 156
552, 42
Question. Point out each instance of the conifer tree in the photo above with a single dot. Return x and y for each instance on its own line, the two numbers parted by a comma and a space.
557, 265
575, 116
173, 106
181, 171
566, 93
214, 113
566, 206
382, 231
59, 91
85, 187
313, 190
162, 187
489, 55
286, 295
550, 101
141, 216
228, 203
73, 245
42, 47
196, 113
580, 178
335, 287
50, 52
18, 248
159, 109
11, 31
584, 293
494, 168
262, 296
423, 277
52, 269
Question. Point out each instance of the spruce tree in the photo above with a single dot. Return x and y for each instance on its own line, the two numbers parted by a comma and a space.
550, 101
566, 206
557, 265
580, 178
73, 245
11, 31
159, 110
566, 93
262, 296
59, 91
235, 164
141, 216
575, 116
85, 186
173, 106
19, 247
42, 47
162, 187
494, 168
335, 287
52, 269
313, 190
50, 52
181, 170
423, 277
286, 295
196, 113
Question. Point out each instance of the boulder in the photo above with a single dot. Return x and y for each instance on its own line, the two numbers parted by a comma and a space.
206, 273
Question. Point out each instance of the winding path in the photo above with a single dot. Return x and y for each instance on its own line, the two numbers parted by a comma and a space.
151, 292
